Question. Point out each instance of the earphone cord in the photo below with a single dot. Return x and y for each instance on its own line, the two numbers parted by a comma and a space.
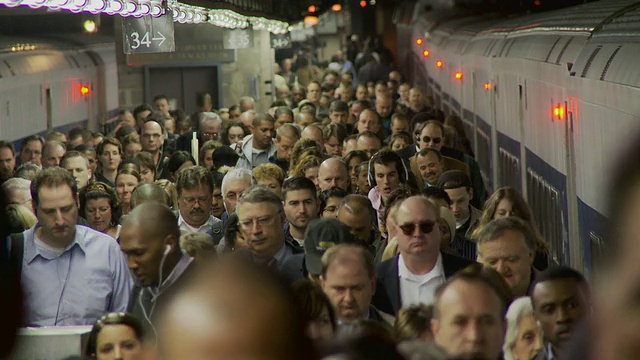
154, 297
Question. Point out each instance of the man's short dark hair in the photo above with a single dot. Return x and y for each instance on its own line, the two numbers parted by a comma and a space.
194, 176
156, 117
7, 145
476, 277
295, 183
425, 151
561, 273
52, 177
160, 97
437, 193
141, 108
31, 138
334, 130
283, 110
496, 228
339, 106
260, 117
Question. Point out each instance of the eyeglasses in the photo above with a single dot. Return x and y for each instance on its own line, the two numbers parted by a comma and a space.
264, 221
435, 140
425, 228
209, 135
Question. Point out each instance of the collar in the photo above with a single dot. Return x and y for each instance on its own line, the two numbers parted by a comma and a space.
182, 222
376, 198
405, 273
550, 353
463, 222
281, 254
177, 271
31, 250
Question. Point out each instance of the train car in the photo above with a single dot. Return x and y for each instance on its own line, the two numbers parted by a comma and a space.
547, 100
56, 83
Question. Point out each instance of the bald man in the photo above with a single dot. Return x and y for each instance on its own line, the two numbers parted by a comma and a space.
215, 317
304, 119
333, 172
150, 238
149, 193
313, 132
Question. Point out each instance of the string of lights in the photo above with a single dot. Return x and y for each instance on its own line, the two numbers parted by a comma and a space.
182, 13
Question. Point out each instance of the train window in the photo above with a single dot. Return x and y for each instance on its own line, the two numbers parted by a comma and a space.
484, 157
597, 249
606, 67
509, 170
587, 66
545, 203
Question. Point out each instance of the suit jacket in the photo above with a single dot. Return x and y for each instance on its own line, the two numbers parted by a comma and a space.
447, 162
387, 297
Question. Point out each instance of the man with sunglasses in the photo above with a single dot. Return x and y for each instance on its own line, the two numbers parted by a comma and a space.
432, 136
420, 267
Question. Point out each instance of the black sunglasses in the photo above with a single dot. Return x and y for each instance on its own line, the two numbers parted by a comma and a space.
436, 140
409, 229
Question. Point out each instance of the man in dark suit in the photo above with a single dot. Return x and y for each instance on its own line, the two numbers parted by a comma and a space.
420, 267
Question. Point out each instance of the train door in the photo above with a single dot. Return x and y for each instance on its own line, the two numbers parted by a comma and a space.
181, 84
575, 243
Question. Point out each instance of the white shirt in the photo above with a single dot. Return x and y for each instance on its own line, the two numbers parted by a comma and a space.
204, 228
419, 289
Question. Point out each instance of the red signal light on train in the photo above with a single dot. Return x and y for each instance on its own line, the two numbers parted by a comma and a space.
558, 112
363, 4
439, 64
84, 90
426, 53
419, 41
312, 8
458, 75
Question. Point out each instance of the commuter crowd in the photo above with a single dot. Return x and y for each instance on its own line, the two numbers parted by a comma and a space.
349, 220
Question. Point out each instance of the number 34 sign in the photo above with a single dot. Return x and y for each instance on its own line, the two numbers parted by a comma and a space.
148, 34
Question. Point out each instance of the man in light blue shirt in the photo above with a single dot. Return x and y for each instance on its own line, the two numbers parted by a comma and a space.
71, 274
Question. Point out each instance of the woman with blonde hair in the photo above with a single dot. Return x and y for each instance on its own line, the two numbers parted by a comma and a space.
170, 189
308, 167
506, 202
20, 218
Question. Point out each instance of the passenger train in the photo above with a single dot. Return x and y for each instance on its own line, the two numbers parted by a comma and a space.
56, 83
546, 99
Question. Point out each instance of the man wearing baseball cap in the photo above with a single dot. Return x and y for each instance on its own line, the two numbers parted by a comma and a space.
321, 234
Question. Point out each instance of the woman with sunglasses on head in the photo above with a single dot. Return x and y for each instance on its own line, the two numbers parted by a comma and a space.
100, 206
116, 336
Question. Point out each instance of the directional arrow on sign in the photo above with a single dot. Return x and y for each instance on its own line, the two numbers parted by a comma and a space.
161, 38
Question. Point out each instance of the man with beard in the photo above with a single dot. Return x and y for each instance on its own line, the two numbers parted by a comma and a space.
195, 188
258, 147
300, 207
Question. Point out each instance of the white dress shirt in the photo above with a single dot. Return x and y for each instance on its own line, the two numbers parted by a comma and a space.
419, 289
204, 228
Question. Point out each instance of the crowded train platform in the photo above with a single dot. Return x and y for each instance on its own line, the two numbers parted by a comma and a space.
365, 209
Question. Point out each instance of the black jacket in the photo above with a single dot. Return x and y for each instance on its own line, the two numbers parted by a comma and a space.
387, 297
